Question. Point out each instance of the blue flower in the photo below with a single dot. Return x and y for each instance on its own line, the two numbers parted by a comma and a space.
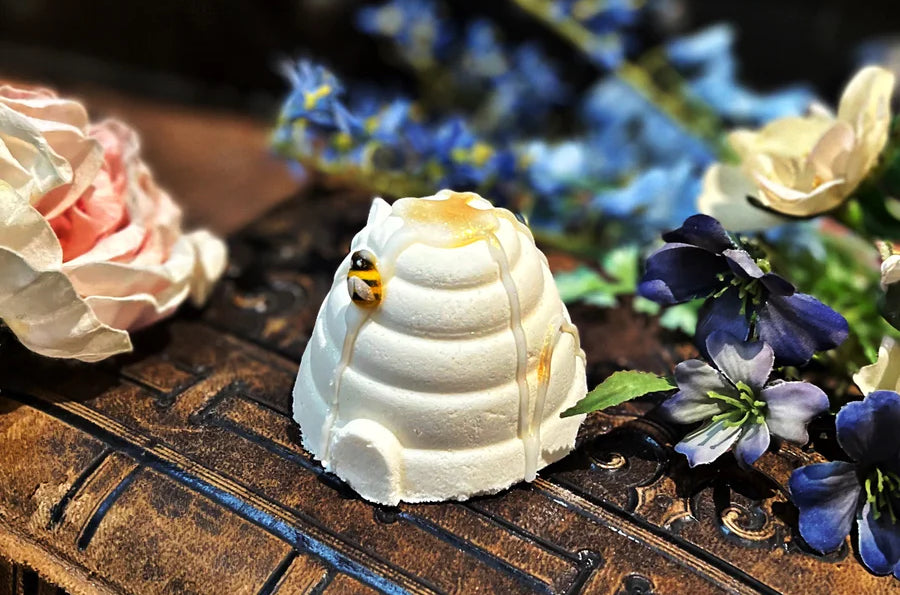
483, 55
831, 495
739, 406
632, 132
708, 61
658, 198
316, 98
553, 169
465, 160
538, 74
523, 89
743, 296
604, 22
414, 25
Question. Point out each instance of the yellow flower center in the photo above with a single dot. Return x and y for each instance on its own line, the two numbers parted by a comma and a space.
311, 98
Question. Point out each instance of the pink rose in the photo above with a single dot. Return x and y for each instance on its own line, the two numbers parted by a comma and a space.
90, 246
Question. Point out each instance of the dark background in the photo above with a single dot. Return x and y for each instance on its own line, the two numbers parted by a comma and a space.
225, 52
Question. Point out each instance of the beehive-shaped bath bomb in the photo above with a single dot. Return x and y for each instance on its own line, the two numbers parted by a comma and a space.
442, 356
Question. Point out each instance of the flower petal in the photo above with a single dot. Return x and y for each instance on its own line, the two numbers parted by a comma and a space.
26, 232
702, 231
828, 158
827, 495
798, 325
211, 259
740, 361
33, 168
132, 295
884, 374
724, 196
890, 270
39, 121
790, 406
721, 313
691, 403
37, 301
680, 272
777, 285
752, 444
879, 541
789, 200
49, 318
866, 105
138, 310
788, 137
708, 443
742, 264
867, 429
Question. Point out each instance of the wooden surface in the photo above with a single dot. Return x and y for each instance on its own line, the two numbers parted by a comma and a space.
177, 469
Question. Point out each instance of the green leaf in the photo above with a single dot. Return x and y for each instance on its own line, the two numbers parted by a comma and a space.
645, 306
579, 284
682, 317
621, 267
619, 388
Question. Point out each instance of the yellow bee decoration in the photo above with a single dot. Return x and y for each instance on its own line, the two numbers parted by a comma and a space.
364, 280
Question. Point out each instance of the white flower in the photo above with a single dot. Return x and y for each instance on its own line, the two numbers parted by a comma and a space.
802, 166
884, 374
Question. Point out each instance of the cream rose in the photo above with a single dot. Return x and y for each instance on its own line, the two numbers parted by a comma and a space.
884, 374
802, 166
90, 246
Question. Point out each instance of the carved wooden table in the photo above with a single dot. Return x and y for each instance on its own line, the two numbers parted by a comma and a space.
177, 469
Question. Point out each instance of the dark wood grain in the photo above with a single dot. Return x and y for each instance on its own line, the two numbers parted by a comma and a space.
177, 469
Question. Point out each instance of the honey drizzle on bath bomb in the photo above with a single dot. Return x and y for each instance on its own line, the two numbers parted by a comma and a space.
532, 437
455, 222
449, 223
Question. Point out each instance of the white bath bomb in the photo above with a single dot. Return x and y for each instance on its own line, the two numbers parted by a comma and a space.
442, 356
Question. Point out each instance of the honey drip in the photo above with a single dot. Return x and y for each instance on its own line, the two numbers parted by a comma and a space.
518, 331
532, 439
455, 222
449, 223
354, 318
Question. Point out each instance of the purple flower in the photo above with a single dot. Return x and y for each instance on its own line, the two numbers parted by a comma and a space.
831, 495
739, 406
743, 296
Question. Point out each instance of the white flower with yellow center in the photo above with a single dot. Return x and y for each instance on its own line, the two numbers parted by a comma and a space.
802, 166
